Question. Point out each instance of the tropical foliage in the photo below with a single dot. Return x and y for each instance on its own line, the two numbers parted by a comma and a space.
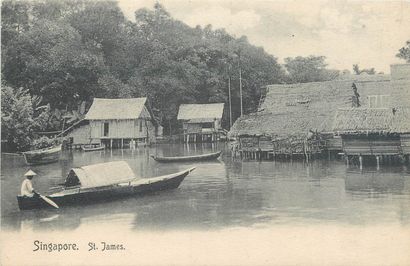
308, 69
404, 52
358, 71
21, 115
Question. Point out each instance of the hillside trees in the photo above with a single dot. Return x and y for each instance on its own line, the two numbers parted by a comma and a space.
72, 51
358, 71
308, 69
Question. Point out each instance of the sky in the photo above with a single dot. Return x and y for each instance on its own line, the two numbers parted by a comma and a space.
368, 33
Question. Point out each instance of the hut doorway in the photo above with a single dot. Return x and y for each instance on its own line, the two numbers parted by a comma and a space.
106, 129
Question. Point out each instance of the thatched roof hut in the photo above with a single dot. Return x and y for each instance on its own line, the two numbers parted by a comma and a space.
201, 120
295, 109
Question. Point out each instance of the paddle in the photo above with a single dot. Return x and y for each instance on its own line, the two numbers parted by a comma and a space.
49, 201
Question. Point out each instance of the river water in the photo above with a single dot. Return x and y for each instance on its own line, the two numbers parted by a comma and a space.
223, 193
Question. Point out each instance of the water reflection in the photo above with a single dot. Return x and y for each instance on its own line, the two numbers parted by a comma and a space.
371, 180
221, 193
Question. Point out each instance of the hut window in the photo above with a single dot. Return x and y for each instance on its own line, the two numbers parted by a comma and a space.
379, 101
140, 125
373, 101
385, 100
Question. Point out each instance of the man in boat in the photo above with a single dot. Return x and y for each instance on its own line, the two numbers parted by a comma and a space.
27, 187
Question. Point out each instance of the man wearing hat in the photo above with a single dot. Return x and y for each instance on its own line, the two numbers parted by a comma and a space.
27, 187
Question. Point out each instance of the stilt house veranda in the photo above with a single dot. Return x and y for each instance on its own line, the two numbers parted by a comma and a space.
116, 123
201, 122
298, 118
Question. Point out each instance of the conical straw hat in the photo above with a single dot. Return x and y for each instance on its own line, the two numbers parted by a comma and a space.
30, 173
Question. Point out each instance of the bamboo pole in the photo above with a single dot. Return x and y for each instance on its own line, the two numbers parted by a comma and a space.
240, 83
230, 102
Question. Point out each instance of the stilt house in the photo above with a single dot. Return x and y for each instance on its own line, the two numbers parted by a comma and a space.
382, 128
297, 118
201, 122
115, 123
367, 131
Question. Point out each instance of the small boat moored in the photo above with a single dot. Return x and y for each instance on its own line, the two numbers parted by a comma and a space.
43, 156
102, 182
201, 157
87, 148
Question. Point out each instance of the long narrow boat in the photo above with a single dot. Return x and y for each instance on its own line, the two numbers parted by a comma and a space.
87, 148
201, 157
103, 182
43, 156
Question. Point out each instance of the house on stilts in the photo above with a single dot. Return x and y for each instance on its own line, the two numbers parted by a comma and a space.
201, 122
380, 131
115, 123
373, 133
297, 119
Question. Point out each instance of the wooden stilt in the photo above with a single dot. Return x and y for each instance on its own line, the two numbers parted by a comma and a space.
361, 162
110, 143
122, 143
378, 162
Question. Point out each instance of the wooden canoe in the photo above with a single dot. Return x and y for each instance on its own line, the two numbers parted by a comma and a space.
201, 157
87, 148
43, 156
79, 194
